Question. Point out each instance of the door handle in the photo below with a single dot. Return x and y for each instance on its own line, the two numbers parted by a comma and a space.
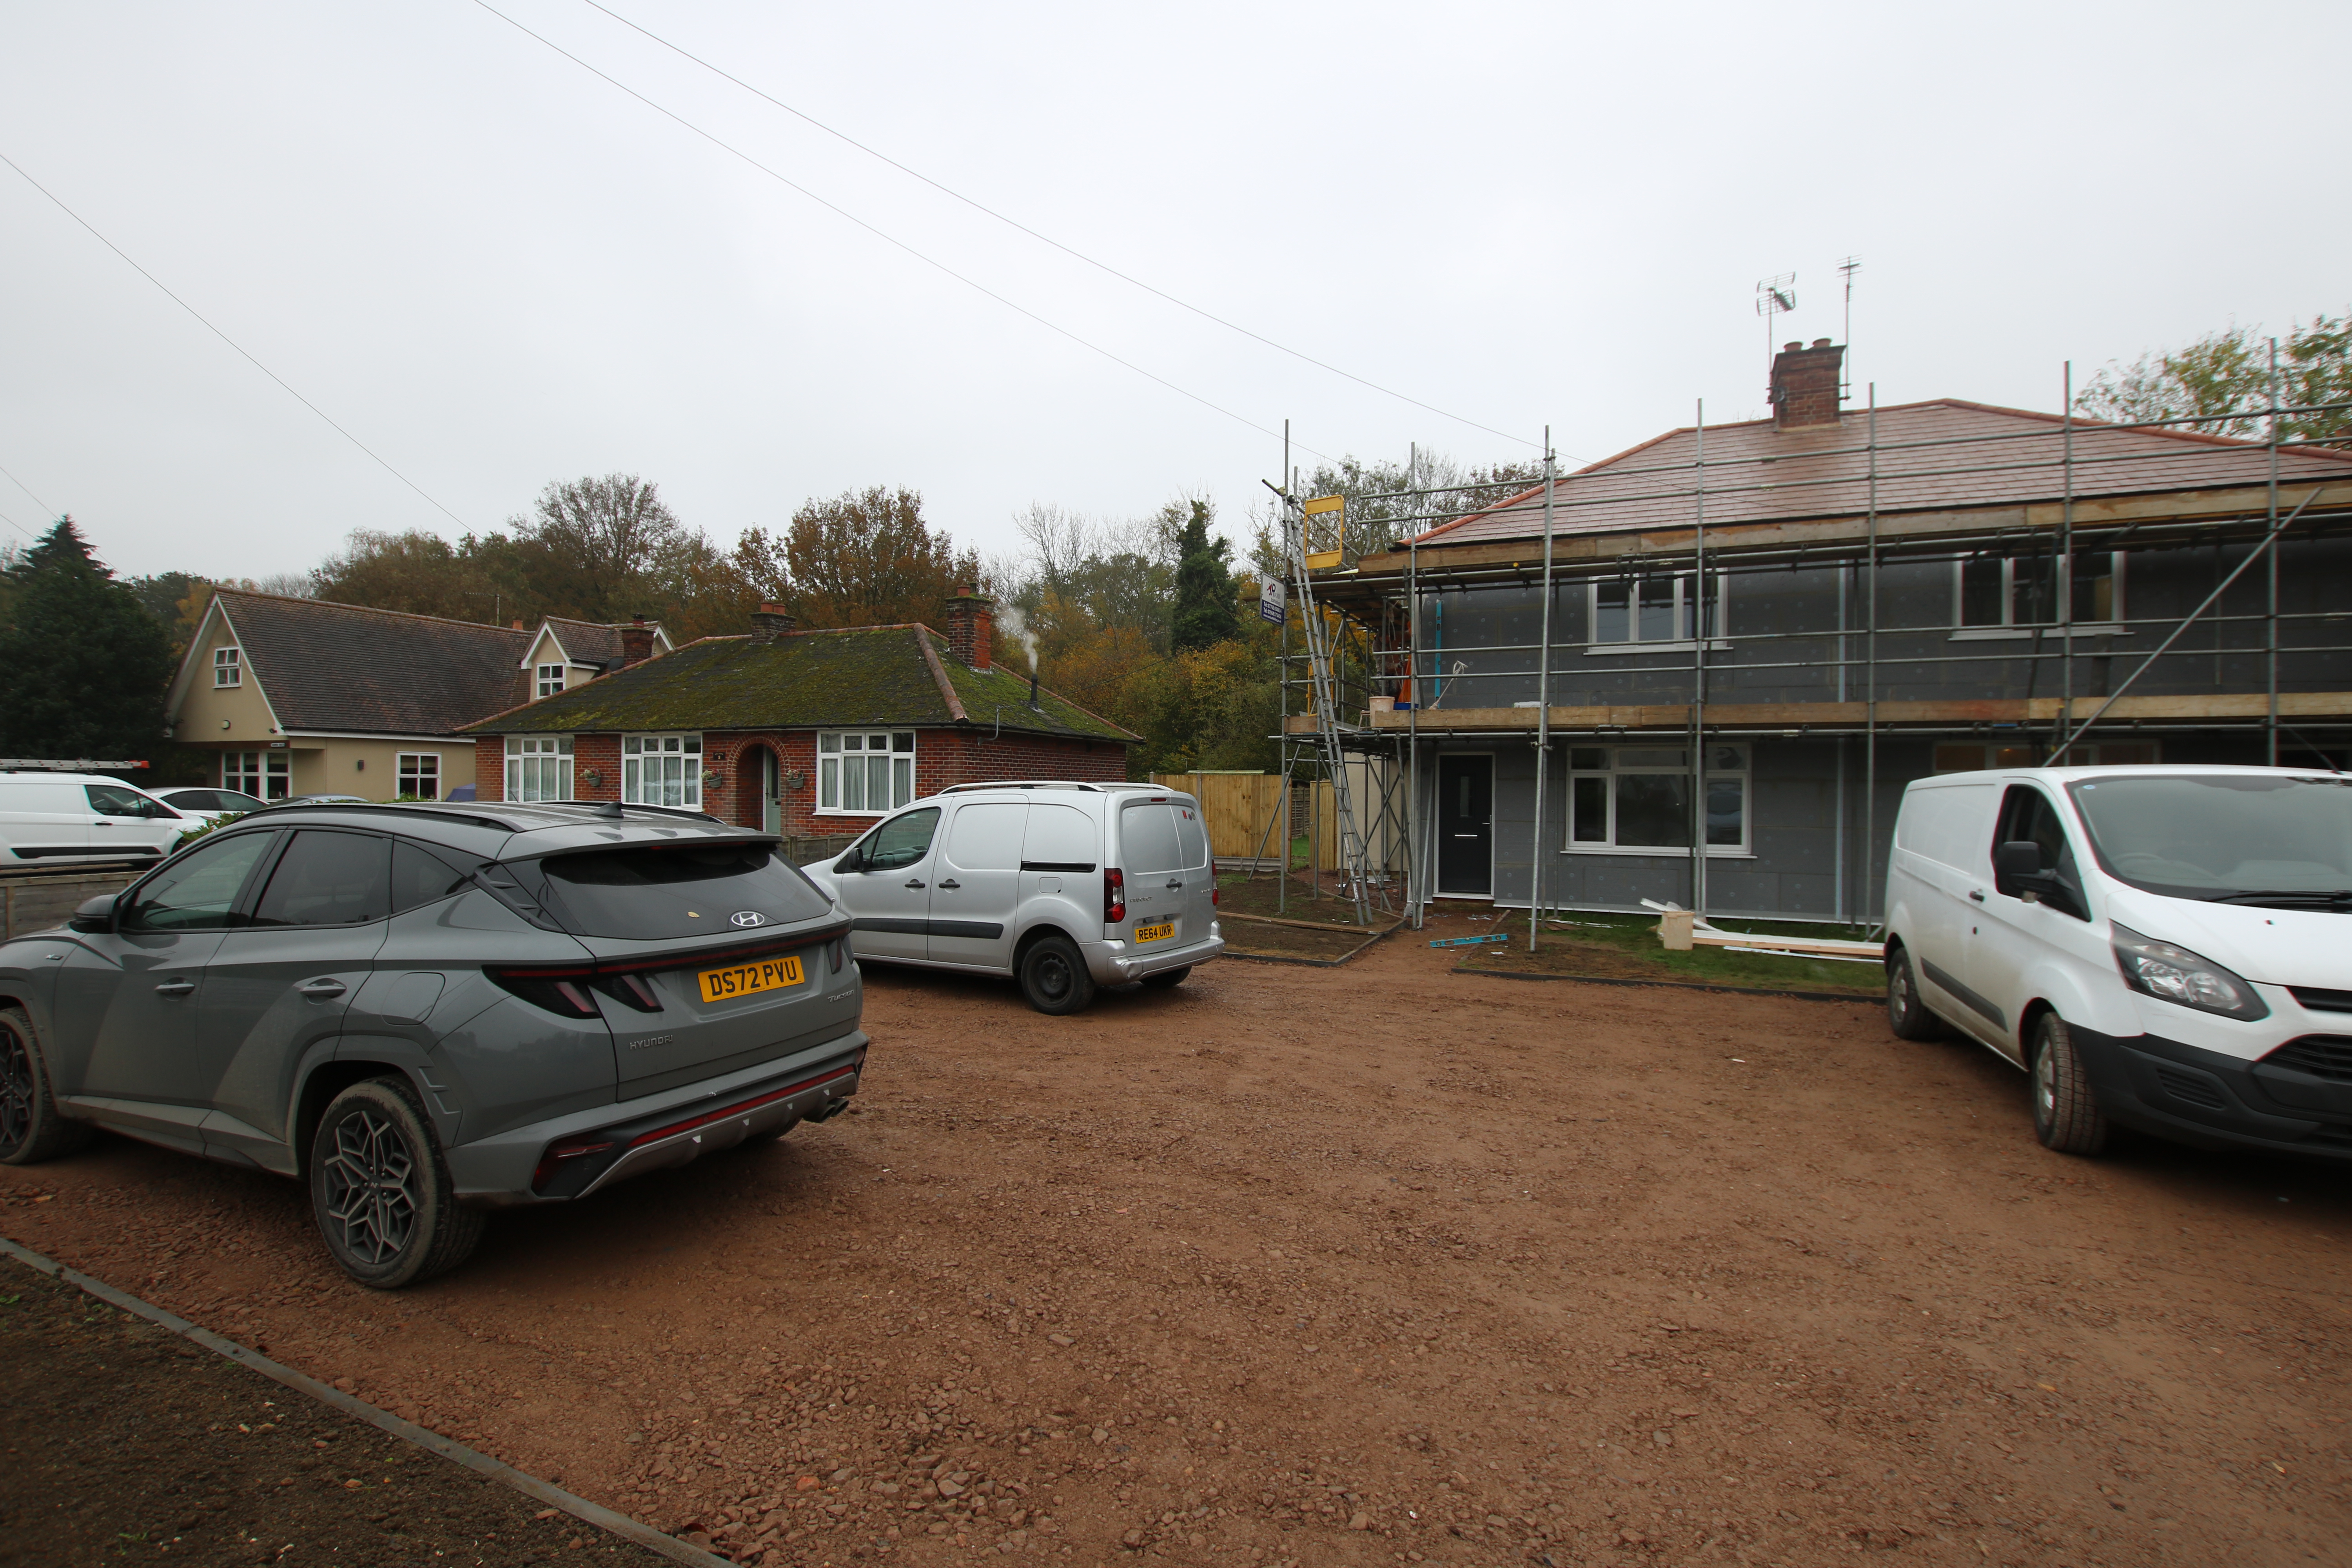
915, 882
320, 990
101, 825
950, 882
1977, 894
175, 988
1175, 886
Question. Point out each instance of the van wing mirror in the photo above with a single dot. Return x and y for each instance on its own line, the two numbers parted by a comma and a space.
851, 860
2019, 858
95, 917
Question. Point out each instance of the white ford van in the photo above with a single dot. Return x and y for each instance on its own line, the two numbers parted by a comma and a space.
2167, 948
1062, 886
45, 815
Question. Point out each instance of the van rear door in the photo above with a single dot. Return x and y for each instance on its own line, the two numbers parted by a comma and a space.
977, 894
1157, 895
1199, 871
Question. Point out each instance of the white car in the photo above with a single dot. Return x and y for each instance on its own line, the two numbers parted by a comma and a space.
211, 804
47, 817
1064, 886
2165, 948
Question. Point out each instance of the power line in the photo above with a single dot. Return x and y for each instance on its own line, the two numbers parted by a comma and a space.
37, 501
1049, 240
883, 235
223, 337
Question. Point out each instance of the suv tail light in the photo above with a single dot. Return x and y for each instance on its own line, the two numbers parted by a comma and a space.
563, 992
1114, 896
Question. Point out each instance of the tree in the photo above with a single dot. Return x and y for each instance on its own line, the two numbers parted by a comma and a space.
86, 664
2228, 373
1204, 612
866, 558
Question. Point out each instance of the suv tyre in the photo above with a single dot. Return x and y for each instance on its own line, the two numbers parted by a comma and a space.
2066, 1114
30, 1126
381, 1190
1055, 978
1907, 1015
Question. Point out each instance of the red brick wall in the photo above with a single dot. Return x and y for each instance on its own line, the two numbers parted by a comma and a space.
942, 757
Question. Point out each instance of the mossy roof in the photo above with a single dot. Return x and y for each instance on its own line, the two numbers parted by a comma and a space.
804, 680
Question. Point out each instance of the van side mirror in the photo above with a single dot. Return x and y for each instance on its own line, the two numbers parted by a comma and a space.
2019, 858
95, 917
851, 861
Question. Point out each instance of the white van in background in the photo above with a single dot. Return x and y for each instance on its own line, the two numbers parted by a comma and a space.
2165, 948
47, 817
1062, 886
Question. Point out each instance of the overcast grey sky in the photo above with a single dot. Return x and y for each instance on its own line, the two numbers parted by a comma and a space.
496, 269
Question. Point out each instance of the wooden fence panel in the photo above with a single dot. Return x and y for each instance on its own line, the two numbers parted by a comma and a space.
39, 903
1236, 807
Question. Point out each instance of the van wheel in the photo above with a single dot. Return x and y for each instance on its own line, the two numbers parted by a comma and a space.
1167, 979
2066, 1114
1905, 1014
1053, 976
31, 1129
381, 1190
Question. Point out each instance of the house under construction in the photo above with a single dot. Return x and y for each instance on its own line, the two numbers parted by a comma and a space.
1702, 670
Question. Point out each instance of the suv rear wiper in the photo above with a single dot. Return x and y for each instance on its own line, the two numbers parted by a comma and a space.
2284, 896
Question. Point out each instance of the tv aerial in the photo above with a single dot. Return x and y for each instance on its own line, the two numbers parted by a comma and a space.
1774, 296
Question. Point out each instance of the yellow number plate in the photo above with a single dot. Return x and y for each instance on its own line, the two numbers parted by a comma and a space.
1160, 932
743, 979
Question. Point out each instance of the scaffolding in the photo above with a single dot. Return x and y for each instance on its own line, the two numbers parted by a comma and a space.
1372, 691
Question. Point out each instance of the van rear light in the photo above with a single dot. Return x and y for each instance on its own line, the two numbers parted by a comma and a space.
1212, 898
1114, 896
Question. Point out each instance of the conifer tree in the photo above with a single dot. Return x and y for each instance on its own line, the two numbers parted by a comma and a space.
1206, 614
83, 666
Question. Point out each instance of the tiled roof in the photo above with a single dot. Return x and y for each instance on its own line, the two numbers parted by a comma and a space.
811, 679
591, 642
346, 667
1757, 473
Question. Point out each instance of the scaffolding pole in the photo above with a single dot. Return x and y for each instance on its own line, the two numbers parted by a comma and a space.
1543, 716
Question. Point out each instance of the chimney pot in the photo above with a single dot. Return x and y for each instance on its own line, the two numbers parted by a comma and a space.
1792, 348
971, 626
518, 626
1805, 388
772, 622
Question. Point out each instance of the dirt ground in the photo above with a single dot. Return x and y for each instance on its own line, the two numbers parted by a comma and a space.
1357, 1266
124, 1442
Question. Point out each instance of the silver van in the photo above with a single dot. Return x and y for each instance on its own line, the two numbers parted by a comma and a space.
1062, 886
2163, 948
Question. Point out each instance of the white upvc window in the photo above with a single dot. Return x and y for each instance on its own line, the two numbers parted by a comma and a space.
266, 775
548, 681
1637, 800
1661, 608
228, 666
861, 771
662, 770
420, 774
1998, 595
539, 767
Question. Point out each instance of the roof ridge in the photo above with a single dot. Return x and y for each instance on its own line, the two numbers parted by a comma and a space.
219, 591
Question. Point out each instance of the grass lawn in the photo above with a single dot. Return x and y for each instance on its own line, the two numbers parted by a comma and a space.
1625, 947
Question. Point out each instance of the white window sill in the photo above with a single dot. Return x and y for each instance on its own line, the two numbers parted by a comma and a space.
1605, 649
1611, 849
2048, 634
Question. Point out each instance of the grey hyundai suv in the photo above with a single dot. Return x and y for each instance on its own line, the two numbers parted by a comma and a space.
426, 1011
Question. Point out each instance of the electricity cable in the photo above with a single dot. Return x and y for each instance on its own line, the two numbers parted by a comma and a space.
25, 487
232, 342
887, 238
1049, 240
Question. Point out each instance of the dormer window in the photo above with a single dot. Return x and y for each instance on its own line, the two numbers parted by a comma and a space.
228, 666
549, 681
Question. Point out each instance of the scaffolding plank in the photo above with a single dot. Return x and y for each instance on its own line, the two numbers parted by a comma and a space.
1798, 715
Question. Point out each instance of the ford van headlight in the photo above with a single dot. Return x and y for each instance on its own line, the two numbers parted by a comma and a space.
2172, 974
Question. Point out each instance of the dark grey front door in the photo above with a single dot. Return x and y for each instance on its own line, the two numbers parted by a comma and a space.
1466, 825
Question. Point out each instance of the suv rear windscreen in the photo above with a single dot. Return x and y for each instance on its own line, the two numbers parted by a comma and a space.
672, 891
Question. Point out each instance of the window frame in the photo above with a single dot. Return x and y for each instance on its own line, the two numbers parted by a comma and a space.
683, 745
231, 666
2011, 627
1615, 769
400, 766
540, 677
550, 759
1685, 638
902, 769
270, 767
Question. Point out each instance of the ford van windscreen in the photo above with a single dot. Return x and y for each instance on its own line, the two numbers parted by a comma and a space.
2285, 840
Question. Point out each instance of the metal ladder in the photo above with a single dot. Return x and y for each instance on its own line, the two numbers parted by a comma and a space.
1355, 856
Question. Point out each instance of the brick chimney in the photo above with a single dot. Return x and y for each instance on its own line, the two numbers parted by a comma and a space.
772, 623
637, 643
971, 626
1805, 384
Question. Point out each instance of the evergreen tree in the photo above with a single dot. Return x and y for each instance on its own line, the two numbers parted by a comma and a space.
85, 666
1205, 611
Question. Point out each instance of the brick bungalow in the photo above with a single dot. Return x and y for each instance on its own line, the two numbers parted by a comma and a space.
812, 734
